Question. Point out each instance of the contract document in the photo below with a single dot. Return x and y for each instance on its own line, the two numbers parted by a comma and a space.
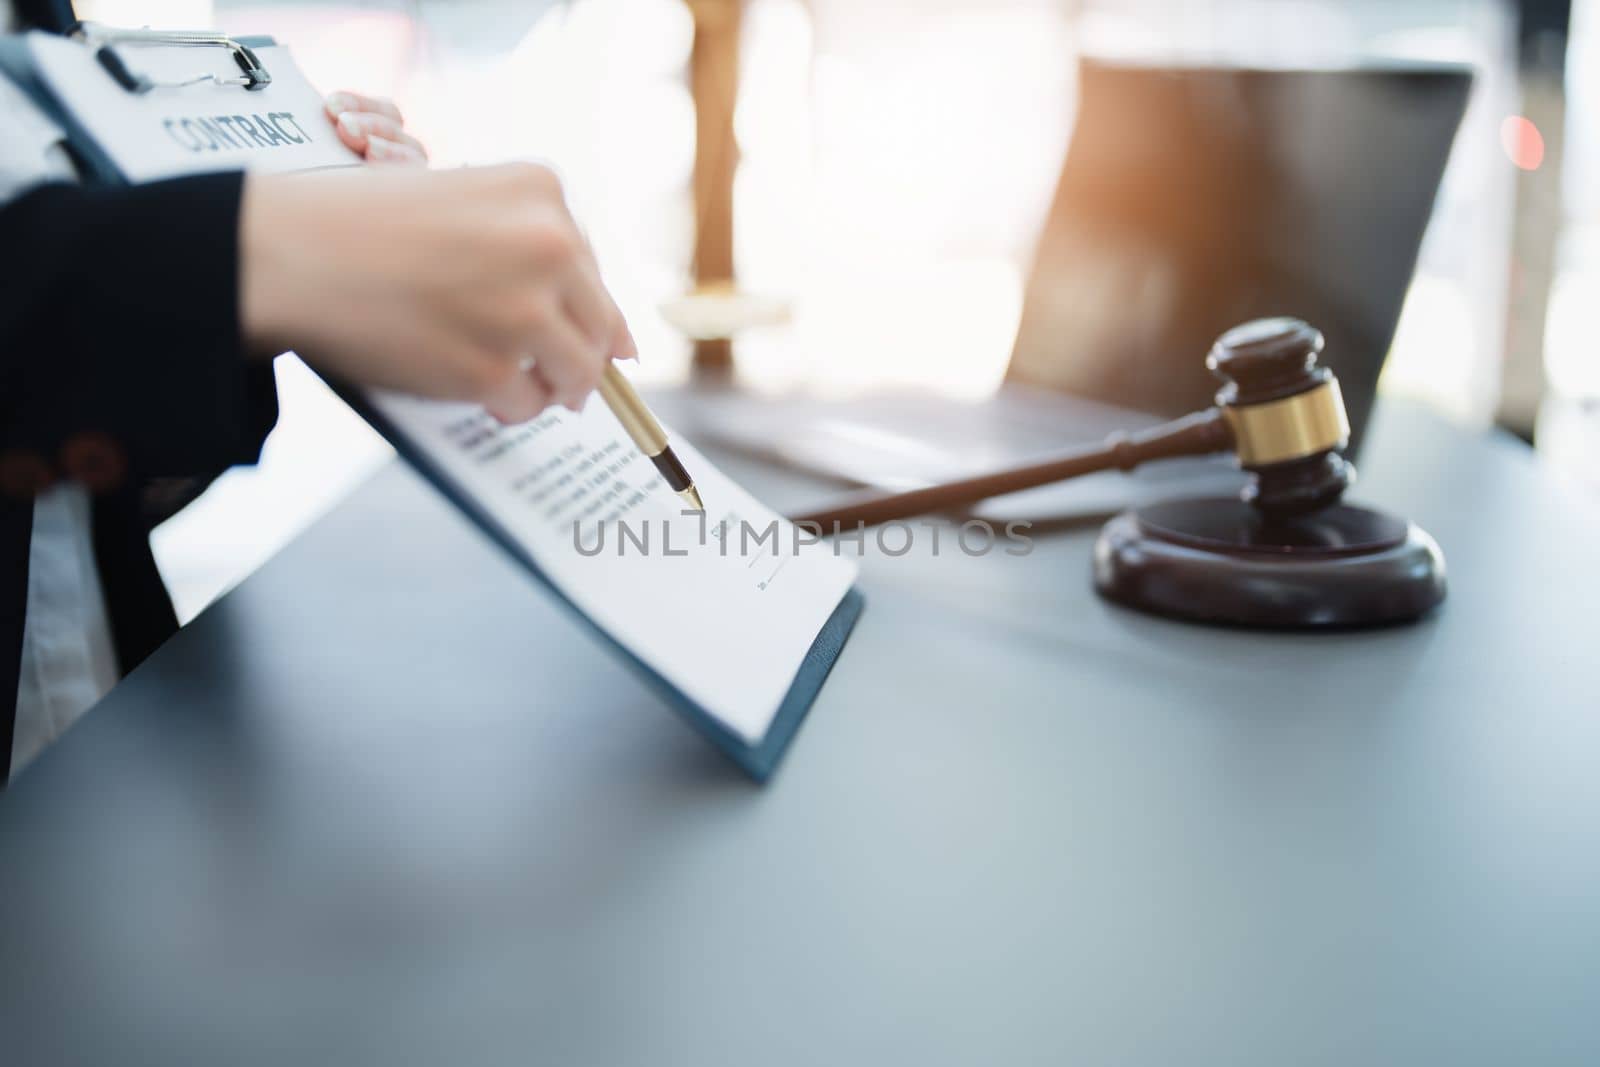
724, 606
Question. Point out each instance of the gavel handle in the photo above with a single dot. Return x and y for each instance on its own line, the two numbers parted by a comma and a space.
1199, 434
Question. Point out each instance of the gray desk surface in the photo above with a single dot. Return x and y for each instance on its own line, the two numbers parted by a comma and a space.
383, 804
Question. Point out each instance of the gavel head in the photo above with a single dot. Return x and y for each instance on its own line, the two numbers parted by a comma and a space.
1287, 415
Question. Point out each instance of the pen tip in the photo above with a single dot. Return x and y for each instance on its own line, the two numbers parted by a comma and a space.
691, 496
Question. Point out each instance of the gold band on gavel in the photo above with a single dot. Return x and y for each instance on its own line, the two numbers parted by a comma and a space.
1292, 428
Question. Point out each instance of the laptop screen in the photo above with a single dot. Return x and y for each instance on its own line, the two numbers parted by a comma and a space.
1193, 199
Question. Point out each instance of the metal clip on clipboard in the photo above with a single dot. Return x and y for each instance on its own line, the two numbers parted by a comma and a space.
254, 76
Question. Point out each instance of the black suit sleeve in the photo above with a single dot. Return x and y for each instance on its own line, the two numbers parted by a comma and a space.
120, 353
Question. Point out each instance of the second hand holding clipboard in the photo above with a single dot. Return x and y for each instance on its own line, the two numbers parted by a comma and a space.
736, 637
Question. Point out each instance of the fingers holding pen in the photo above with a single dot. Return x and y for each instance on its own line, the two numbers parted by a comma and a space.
543, 358
520, 397
596, 313
572, 325
568, 358
595, 308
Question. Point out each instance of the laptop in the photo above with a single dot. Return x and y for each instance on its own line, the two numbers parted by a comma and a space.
1191, 199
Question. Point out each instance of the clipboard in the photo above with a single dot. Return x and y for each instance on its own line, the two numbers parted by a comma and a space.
140, 105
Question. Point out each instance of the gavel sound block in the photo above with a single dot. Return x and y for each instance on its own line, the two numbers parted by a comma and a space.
1285, 553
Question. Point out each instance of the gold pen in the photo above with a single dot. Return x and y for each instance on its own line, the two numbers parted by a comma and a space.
647, 433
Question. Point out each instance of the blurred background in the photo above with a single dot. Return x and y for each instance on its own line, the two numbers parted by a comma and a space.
896, 159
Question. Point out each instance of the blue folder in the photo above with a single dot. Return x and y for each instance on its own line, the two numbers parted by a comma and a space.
757, 760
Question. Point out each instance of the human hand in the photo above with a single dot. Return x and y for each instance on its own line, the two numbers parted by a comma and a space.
374, 127
444, 284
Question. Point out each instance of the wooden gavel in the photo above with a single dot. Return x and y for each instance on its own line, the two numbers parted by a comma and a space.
1277, 411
